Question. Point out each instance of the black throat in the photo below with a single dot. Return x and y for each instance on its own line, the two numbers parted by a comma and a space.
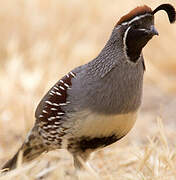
135, 41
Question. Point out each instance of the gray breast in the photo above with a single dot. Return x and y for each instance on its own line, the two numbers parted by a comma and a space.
118, 92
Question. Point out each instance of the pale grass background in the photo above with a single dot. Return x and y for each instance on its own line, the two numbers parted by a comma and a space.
40, 41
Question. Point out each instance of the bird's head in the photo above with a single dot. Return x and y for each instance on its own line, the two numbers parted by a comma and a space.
138, 28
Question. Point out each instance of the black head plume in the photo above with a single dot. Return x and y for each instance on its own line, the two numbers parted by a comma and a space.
170, 10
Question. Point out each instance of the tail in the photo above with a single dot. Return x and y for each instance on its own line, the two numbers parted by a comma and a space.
31, 149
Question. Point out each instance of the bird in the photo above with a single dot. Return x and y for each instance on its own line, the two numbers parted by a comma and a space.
95, 104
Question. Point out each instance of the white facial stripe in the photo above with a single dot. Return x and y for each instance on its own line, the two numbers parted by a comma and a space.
135, 19
143, 30
124, 41
124, 37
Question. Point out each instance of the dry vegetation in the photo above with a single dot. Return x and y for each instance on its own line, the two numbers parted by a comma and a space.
41, 40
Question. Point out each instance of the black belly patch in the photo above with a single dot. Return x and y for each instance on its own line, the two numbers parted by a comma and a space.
84, 143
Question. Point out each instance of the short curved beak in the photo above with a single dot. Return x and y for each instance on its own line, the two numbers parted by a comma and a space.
153, 30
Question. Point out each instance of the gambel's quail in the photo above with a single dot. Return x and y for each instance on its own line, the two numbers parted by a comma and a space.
95, 104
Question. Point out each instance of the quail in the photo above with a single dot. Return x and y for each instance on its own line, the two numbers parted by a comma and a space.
95, 104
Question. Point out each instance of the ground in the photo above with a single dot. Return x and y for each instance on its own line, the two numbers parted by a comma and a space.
40, 41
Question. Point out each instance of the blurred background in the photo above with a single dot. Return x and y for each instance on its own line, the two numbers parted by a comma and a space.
41, 40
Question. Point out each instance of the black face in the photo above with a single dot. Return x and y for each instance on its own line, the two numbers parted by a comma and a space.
139, 32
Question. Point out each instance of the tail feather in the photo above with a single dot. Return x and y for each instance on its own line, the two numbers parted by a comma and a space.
11, 164
31, 149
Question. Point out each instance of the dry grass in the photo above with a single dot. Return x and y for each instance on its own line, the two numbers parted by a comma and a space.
41, 40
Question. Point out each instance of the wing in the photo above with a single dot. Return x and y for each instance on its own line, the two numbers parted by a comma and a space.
49, 113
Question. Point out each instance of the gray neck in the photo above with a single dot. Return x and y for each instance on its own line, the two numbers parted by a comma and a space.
110, 84
109, 57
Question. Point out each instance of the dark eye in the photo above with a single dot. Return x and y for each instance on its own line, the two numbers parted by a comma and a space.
136, 26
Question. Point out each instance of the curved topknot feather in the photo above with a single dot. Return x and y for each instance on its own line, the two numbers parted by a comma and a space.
140, 10
170, 10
